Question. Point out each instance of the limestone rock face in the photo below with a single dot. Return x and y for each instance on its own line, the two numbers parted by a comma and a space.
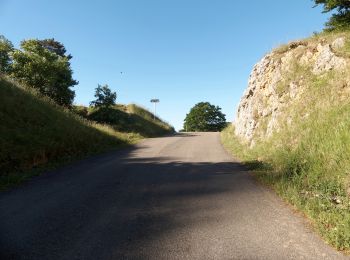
326, 60
269, 91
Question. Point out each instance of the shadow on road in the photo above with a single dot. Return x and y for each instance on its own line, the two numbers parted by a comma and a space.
113, 207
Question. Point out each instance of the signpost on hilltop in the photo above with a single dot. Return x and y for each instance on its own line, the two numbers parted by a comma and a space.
155, 101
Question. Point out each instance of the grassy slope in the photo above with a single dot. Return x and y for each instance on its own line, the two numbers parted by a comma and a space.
140, 120
308, 163
35, 133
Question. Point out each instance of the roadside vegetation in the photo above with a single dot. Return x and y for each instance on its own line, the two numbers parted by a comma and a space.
126, 118
41, 128
37, 134
307, 162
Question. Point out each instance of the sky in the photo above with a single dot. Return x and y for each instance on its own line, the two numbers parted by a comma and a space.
179, 51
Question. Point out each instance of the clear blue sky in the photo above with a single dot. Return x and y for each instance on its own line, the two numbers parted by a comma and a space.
180, 51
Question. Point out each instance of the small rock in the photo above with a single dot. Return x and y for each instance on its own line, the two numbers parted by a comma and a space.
327, 60
338, 43
296, 44
336, 200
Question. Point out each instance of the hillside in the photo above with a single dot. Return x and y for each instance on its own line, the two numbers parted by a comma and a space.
292, 127
128, 118
37, 134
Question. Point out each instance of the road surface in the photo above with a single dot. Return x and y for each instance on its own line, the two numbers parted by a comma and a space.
178, 197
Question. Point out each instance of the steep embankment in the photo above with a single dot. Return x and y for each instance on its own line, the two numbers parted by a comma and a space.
35, 133
129, 118
144, 122
293, 126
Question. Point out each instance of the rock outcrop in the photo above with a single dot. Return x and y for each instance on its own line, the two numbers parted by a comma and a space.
272, 85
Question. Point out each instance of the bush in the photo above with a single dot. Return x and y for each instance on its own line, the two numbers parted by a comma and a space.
109, 115
80, 110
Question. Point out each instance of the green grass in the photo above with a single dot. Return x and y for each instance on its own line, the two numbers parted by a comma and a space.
308, 162
127, 118
36, 134
142, 121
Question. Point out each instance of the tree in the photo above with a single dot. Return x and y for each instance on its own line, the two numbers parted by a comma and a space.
55, 46
104, 97
6, 48
46, 69
341, 18
204, 117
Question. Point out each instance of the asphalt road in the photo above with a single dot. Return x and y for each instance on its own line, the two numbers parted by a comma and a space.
179, 197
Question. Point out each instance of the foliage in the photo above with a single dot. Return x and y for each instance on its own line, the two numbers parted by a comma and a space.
341, 18
104, 97
80, 110
204, 117
43, 65
107, 115
55, 47
6, 48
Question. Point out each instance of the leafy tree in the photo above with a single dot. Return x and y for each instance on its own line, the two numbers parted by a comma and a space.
104, 97
45, 68
55, 46
204, 117
341, 18
6, 48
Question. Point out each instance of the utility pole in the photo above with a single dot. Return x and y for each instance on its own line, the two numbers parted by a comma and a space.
155, 101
